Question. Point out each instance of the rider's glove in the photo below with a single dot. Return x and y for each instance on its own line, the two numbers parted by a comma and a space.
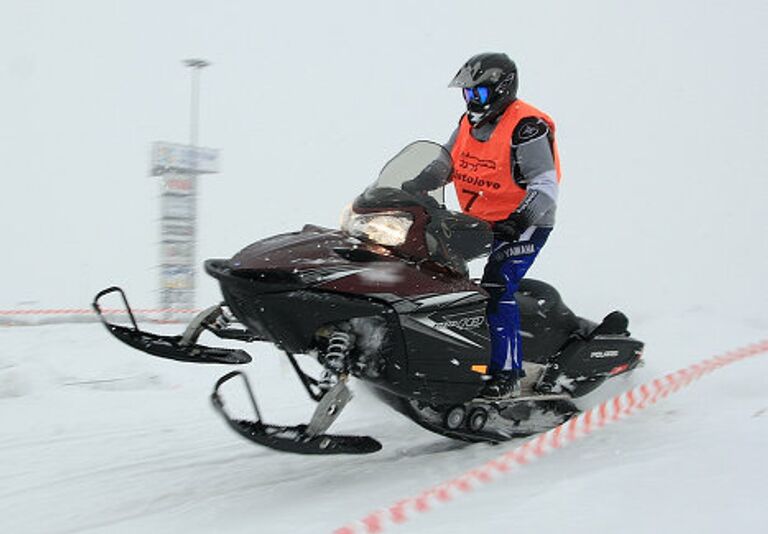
507, 230
412, 187
433, 176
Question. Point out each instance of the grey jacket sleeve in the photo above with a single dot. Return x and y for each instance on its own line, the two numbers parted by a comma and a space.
452, 140
534, 168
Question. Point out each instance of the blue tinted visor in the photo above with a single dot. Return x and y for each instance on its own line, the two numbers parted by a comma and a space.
477, 94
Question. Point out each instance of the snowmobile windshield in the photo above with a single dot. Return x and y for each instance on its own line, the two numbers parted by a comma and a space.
415, 176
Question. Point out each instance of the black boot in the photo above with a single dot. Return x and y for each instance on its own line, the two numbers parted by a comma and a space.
502, 385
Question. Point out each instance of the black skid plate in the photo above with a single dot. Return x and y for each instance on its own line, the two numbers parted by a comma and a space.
169, 347
294, 439
508, 419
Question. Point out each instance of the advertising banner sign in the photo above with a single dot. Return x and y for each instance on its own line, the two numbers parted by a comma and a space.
173, 157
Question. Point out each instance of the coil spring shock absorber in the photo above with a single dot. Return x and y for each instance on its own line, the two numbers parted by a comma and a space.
339, 345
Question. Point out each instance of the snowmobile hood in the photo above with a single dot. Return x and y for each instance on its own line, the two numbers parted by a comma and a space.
311, 257
293, 252
334, 261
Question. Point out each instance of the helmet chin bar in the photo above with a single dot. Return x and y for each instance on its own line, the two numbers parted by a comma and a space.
479, 118
490, 111
475, 117
476, 113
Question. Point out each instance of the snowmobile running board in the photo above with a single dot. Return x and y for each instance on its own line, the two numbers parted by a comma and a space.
183, 348
295, 439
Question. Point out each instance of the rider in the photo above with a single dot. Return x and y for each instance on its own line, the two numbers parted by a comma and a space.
506, 172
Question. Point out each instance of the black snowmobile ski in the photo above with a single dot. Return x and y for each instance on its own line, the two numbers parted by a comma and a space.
300, 439
181, 348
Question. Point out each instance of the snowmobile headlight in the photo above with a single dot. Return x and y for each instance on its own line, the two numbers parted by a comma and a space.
388, 229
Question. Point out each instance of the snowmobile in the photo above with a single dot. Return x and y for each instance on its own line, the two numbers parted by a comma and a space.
388, 299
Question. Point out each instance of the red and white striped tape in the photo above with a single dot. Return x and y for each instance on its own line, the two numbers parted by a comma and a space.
87, 311
576, 428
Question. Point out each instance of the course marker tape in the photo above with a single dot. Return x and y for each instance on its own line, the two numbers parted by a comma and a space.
86, 311
575, 428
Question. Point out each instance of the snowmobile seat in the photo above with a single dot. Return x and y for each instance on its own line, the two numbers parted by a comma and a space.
614, 324
547, 297
546, 322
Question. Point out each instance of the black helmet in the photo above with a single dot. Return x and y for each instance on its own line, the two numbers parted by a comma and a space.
489, 83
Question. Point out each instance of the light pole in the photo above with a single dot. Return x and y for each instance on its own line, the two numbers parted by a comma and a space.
195, 65
179, 166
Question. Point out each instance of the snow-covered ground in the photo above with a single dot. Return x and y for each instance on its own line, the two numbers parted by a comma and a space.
662, 122
96, 437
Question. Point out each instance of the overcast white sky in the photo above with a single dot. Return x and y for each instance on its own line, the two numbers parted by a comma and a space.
661, 109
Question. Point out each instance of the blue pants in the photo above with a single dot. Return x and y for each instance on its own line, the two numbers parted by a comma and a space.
507, 264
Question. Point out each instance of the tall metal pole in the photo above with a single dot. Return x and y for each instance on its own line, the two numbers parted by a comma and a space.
179, 165
195, 65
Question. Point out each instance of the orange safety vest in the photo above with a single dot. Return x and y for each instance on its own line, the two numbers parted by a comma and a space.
481, 169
